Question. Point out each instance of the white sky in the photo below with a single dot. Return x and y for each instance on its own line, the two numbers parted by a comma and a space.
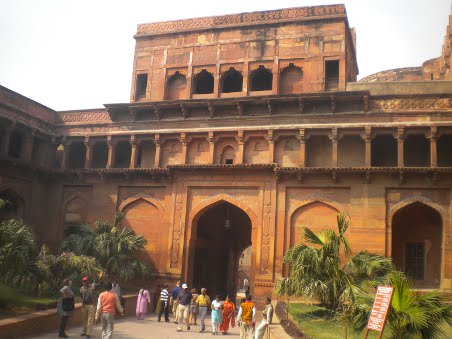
78, 54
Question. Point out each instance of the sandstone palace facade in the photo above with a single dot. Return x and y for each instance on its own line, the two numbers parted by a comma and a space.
240, 130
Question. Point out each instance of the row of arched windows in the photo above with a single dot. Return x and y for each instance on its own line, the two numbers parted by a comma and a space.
231, 81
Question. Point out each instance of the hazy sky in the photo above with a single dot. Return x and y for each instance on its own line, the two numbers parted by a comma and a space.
78, 54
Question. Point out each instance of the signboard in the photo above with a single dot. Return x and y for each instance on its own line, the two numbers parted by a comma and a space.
380, 309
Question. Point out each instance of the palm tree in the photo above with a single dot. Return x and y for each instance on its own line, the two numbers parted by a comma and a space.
52, 269
116, 249
17, 247
412, 314
317, 269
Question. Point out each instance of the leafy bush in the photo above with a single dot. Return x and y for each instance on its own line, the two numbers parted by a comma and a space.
116, 249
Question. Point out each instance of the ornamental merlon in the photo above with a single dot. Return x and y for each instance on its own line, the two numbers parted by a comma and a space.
249, 18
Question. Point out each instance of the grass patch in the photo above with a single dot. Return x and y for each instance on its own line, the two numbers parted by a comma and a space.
14, 302
318, 323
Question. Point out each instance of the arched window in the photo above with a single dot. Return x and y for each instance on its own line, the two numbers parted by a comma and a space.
261, 79
228, 155
15, 144
291, 80
123, 152
176, 86
231, 81
203, 83
77, 154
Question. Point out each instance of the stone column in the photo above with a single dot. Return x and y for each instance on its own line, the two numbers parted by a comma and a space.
400, 139
89, 152
302, 148
275, 72
433, 149
5, 141
245, 74
52, 147
184, 141
27, 148
65, 161
366, 136
211, 141
133, 152
271, 147
157, 151
111, 152
334, 156
240, 153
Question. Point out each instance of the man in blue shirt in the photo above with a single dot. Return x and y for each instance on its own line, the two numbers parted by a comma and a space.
173, 300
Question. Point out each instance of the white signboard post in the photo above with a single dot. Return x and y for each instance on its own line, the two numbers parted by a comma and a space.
380, 310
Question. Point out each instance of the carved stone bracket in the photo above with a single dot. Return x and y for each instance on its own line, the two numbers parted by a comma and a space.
240, 107
300, 176
401, 177
334, 177
184, 111
211, 109
157, 112
333, 103
301, 104
368, 177
269, 107
366, 103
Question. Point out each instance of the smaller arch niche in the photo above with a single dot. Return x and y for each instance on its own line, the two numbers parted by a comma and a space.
14, 205
203, 83
231, 81
291, 80
228, 155
176, 86
261, 79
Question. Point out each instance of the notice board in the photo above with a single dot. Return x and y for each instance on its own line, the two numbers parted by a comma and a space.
380, 309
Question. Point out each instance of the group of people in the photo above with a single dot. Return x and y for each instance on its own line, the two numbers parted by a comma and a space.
185, 304
108, 303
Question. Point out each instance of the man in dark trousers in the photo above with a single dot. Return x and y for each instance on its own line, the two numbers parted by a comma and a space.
164, 304
184, 300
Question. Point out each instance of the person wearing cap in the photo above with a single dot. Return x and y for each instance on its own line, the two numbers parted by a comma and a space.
184, 300
88, 312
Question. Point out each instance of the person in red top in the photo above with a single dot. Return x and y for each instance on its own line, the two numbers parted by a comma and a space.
107, 303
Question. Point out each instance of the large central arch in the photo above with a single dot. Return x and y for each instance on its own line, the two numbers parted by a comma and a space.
213, 255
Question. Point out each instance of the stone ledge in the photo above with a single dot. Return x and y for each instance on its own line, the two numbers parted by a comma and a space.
35, 323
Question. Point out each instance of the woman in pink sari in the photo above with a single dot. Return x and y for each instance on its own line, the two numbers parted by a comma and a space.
142, 303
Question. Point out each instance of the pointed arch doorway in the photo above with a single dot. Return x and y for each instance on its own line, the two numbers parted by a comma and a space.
416, 243
220, 234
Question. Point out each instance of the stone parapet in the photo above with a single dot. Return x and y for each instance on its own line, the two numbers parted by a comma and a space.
248, 19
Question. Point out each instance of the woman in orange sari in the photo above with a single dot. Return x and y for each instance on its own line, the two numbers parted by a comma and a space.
228, 315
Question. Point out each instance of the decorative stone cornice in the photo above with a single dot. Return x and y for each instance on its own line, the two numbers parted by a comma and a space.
242, 19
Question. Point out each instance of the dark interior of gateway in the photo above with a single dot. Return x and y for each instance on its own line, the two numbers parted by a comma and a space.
222, 233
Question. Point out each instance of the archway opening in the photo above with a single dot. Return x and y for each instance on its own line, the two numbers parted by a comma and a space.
220, 235
13, 208
416, 244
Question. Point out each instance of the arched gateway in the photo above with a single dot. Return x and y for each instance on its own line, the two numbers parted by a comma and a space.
220, 233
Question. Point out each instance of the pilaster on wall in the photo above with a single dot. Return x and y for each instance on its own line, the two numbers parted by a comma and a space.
302, 138
158, 151
240, 140
211, 140
89, 152
400, 141
334, 148
133, 151
111, 152
433, 149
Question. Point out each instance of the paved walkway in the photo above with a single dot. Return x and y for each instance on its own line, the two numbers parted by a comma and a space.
148, 328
